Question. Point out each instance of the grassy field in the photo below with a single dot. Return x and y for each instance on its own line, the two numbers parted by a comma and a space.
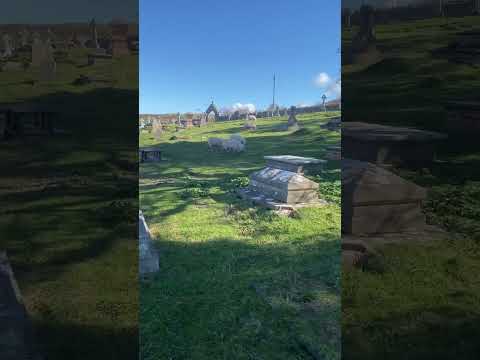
424, 304
68, 209
238, 282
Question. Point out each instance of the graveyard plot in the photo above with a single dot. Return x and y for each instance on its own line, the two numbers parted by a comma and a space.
238, 281
68, 214
420, 297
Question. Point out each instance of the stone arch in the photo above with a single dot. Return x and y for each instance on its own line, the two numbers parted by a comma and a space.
212, 108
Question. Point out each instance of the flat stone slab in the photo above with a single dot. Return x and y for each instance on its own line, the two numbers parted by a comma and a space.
270, 203
388, 145
148, 262
292, 163
374, 200
16, 331
375, 132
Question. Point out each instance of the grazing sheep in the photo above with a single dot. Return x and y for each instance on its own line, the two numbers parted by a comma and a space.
233, 145
215, 143
239, 138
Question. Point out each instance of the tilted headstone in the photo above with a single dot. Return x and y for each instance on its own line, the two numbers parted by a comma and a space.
7, 45
16, 331
148, 262
374, 200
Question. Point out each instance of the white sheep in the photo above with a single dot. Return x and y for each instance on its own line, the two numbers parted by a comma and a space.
239, 138
233, 145
215, 143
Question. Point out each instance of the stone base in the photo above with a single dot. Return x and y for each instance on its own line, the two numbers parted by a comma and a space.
16, 331
269, 203
148, 261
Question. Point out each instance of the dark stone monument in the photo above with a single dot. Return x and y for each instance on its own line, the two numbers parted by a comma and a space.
374, 200
388, 145
150, 154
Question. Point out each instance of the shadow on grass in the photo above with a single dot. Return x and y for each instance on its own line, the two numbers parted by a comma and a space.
237, 298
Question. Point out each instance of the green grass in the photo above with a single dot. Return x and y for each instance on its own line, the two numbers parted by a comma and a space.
424, 305
238, 282
68, 210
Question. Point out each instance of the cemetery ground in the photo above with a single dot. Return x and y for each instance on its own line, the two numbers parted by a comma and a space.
69, 210
422, 302
238, 281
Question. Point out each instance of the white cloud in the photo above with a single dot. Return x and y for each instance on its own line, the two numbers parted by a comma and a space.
242, 108
334, 89
322, 80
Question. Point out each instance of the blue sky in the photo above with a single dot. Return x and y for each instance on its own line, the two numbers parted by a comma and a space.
228, 50
65, 11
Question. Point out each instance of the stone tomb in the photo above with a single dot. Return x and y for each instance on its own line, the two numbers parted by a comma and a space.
150, 154
374, 200
148, 262
16, 330
464, 117
281, 184
388, 145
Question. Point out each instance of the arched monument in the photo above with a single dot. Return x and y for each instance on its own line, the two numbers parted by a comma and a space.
212, 108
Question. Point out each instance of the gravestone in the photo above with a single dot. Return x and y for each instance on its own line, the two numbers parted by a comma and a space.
13, 66
48, 66
282, 184
93, 35
363, 48
388, 145
38, 52
7, 46
374, 200
292, 122
16, 331
463, 118
148, 262
333, 124
150, 154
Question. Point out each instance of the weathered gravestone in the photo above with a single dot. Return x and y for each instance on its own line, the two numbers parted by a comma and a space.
7, 46
334, 124
363, 48
148, 262
282, 184
388, 145
16, 331
150, 154
38, 51
374, 200
292, 122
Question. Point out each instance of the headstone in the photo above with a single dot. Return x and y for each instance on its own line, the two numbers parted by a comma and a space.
12, 66
150, 154
7, 46
93, 34
388, 145
363, 48
374, 200
38, 52
48, 67
149, 262
292, 122
16, 331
